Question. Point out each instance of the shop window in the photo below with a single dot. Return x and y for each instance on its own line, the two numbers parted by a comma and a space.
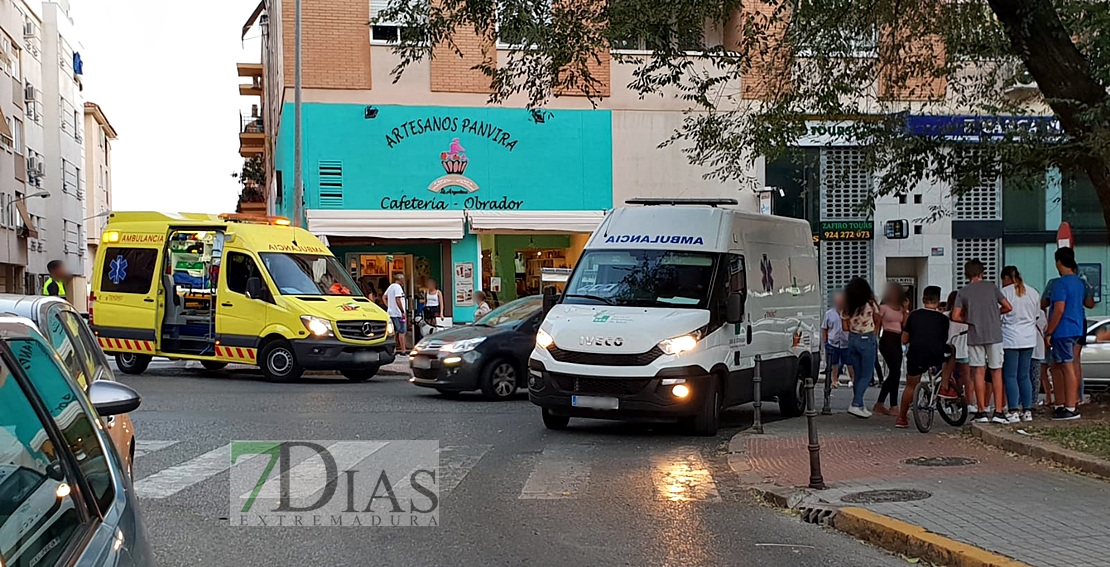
1080, 206
1023, 204
128, 270
798, 176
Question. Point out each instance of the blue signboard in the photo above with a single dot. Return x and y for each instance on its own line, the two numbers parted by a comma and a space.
974, 128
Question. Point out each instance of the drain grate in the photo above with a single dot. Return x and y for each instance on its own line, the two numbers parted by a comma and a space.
940, 461
885, 496
817, 515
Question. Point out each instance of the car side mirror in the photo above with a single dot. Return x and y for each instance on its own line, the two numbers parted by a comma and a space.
113, 398
254, 288
734, 311
1092, 339
550, 300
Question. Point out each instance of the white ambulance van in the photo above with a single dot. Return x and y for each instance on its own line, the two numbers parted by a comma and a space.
667, 309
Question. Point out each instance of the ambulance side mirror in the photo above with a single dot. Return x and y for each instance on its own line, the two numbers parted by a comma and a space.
254, 288
734, 311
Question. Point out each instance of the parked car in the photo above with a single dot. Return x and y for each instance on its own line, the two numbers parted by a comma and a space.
1096, 354
65, 497
75, 343
491, 355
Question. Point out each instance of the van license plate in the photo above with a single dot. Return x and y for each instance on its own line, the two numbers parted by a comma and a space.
422, 362
593, 402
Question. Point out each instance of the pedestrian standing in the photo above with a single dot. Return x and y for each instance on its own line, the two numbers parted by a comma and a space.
926, 337
433, 300
957, 366
835, 339
861, 319
483, 308
1039, 376
54, 285
980, 304
1019, 337
1089, 303
396, 306
894, 310
1065, 326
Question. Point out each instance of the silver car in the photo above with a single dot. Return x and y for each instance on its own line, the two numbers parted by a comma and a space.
1096, 354
65, 498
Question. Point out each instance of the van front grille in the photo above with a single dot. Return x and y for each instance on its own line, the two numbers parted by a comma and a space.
603, 359
360, 330
599, 386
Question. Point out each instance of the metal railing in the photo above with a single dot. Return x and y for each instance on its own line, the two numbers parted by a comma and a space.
251, 124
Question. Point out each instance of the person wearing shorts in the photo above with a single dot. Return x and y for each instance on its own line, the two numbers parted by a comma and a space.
835, 339
925, 335
956, 371
1065, 327
980, 304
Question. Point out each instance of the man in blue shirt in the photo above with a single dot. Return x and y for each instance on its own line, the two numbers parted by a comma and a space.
1065, 327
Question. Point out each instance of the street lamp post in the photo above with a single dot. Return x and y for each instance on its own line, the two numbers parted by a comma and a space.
298, 174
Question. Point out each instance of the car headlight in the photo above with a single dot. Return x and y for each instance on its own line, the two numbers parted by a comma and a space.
389, 330
317, 326
543, 339
462, 346
677, 345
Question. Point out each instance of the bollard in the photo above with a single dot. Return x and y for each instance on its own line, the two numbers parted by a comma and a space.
757, 424
816, 481
827, 408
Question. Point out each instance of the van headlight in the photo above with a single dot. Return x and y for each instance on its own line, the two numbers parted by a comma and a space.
389, 330
543, 339
681, 344
462, 346
317, 326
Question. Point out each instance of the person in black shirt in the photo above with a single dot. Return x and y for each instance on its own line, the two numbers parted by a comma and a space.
926, 334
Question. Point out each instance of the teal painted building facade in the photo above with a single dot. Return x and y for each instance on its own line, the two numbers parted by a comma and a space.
388, 163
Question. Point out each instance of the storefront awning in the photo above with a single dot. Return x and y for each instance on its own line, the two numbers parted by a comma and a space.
435, 225
534, 221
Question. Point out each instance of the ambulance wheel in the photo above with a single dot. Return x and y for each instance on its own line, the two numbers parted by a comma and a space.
705, 423
554, 422
360, 374
279, 362
131, 363
213, 365
793, 403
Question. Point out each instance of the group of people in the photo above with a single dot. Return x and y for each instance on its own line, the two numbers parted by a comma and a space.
394, 301
996, 345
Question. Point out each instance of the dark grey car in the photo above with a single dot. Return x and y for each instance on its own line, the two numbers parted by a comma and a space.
65, 498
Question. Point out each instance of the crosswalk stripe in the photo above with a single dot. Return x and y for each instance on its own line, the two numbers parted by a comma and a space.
167, 482
456, 462
560, 472
144, 446
682, 476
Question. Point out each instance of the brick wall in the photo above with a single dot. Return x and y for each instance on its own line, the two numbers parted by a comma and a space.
572, 82
911, 80
453, 71
769, 69
335, 44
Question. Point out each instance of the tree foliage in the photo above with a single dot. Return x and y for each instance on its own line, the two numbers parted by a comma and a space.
785, 62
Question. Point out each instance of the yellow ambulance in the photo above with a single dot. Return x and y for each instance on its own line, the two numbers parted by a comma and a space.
231, 288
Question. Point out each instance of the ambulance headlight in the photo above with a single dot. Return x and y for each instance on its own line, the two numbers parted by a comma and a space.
317, 326
681, 344
543, 339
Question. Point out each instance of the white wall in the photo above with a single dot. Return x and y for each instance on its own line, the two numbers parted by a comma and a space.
935, 234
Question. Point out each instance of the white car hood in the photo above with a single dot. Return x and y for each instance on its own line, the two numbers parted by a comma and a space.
618, 330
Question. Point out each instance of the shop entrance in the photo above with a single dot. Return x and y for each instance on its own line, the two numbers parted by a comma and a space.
513, 264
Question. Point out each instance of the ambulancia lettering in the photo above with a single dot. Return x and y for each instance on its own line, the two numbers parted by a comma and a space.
600, 341
653, 239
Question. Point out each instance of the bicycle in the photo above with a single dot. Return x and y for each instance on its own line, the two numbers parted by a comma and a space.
926, 401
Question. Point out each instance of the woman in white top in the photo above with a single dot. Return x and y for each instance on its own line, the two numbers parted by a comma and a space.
483, 307
433, 300
1019, 336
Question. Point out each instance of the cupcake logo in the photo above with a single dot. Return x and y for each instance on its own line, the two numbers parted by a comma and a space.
454, 163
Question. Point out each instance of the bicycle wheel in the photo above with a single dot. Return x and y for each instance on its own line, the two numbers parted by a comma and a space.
953, 412
922, 411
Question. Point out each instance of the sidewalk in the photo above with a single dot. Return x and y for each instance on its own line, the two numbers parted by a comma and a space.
977, 495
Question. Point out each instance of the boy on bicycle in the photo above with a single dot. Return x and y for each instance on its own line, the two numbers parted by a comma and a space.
926, 336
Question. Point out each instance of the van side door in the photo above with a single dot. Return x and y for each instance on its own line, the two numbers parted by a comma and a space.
738, 335
127, 288
240, 319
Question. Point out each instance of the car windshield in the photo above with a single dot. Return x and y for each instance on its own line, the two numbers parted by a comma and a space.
649, 278
308, 274
512, 313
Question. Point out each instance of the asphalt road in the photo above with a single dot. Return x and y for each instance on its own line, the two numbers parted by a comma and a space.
599, 494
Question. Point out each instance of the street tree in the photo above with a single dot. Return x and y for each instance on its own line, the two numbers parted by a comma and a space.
873, 64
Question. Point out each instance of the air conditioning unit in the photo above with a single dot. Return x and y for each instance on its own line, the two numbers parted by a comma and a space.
28, 29
29, 92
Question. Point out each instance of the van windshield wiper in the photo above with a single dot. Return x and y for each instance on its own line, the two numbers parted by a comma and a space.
604, 300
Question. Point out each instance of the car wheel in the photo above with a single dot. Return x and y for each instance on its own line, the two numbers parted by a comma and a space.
360, 374
707, 421
213, 365
500, 379
554, 422
279, 362
131, 363
793, 404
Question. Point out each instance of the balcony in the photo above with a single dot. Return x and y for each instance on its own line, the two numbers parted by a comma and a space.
252, 136
250, 70
254, 88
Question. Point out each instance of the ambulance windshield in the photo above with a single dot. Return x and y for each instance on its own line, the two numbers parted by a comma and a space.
646, 278
308, 274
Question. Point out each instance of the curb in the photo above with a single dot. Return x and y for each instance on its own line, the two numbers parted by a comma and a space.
915, 541
1032, 447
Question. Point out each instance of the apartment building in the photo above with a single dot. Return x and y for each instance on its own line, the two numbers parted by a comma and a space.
99, 134
421, 176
